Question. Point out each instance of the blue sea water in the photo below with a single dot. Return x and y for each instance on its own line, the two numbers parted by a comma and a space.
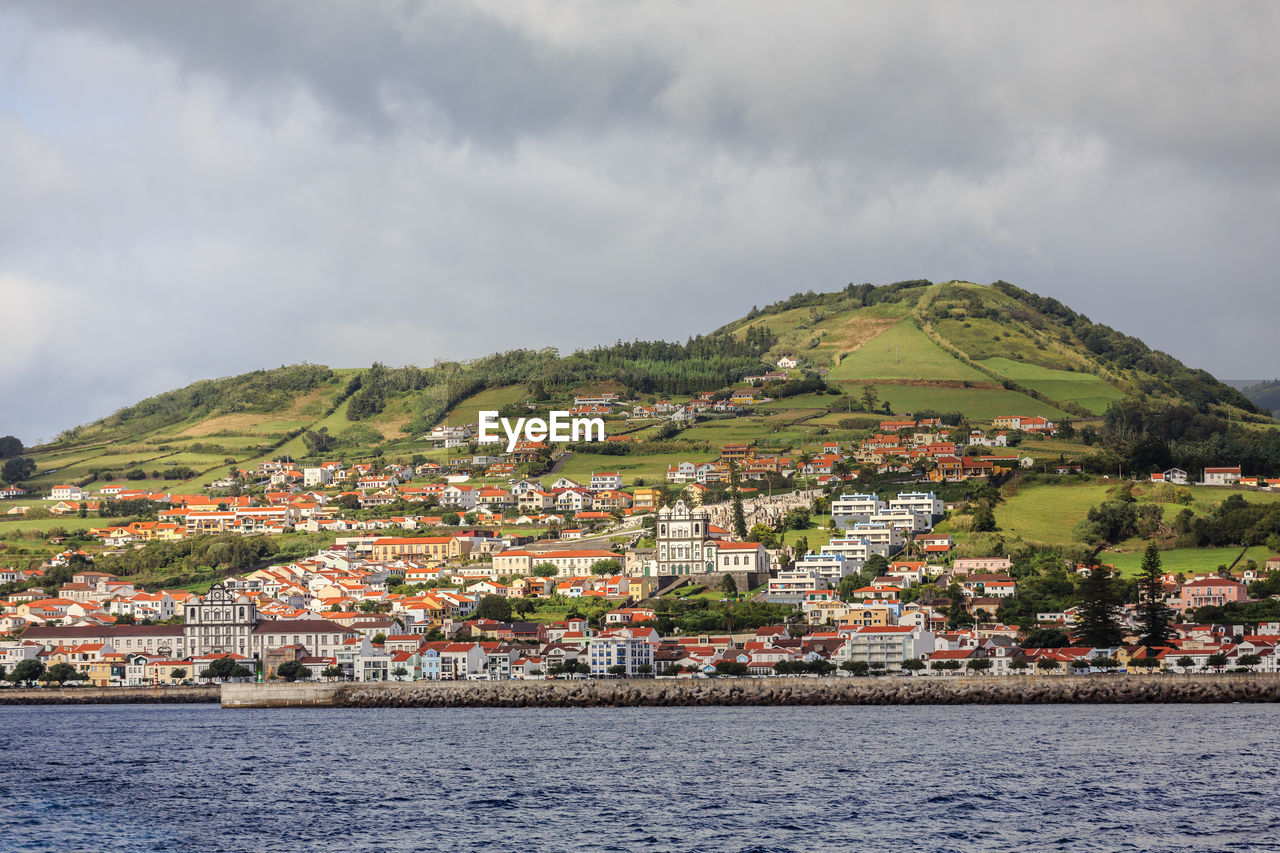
980, 778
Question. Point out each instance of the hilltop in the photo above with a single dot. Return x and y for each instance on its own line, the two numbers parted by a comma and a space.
974, 351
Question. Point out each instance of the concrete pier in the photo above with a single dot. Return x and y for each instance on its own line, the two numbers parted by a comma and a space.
109, 695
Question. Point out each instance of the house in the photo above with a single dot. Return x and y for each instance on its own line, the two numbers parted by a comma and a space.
787, 362
605, 481
68, 493
1176, 476
1221, 476
1209, 591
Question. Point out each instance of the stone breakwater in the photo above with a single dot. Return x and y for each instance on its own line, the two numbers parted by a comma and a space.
1097, 689
110, 695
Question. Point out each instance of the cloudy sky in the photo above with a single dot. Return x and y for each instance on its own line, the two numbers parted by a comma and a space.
196, 190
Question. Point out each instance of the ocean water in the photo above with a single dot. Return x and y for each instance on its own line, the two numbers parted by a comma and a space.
982, 778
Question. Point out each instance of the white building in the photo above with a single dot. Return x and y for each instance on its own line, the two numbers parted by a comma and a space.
829, 567
853, 507
924, 503
683, 541
789, 586
737, 556
312, 477
605, 481
888, 646
68, 493
619, 648
1220, 476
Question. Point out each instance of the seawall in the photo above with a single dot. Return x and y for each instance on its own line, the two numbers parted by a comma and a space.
207, 693
1016, 690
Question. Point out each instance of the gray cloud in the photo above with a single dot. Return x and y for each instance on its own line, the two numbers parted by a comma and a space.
194, 191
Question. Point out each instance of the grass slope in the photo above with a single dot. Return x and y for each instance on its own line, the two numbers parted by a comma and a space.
903, 352
1083, 388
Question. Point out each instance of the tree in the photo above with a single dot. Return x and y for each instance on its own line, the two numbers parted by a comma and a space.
292, 670
62, 673
17, 468
1105, 663
984, 520
1081, 664
224, 669
947, 665
1019, 665
731, 668
1098, 617
1186, 662
10, 446
728, 585
379, 639
854, 667
493, 607
546, 570
645, 669
332, 672
913, 665
735, 490
1217, 660
178, 673
1047, 665
607, 567
617, 670
1146, 662
522, 606
1249, 661
869, 398
399, 673
319, 441
1153, 614
27, 672
450, 519
979, 665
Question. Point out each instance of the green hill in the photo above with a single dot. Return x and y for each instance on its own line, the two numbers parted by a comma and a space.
976, 350
1265, 395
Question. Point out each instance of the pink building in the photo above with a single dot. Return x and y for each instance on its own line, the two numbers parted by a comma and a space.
1206, 591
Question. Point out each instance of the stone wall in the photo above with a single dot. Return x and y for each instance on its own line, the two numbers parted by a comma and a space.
109, 695
1019, 690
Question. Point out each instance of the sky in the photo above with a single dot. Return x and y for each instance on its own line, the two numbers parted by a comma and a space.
198, 190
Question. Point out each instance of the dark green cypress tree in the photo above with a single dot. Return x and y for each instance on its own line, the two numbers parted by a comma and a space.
1154, 615
1098, 616
739, 517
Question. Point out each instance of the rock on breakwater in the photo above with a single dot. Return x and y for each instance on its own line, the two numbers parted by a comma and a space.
1020, 690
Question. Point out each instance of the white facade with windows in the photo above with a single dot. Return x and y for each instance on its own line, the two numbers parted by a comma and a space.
221, 622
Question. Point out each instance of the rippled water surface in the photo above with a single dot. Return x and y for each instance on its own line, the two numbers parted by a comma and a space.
183, 778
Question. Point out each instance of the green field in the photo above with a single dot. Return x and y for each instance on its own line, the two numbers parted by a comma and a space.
1047, 514
493, 399
1185, 560
1083, 388
903, 352
653, 469
979, 404
71, 522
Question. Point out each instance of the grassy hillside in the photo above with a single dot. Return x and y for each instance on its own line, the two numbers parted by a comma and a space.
981, 351
1265, 395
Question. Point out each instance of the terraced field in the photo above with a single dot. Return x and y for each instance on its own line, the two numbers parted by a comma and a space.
1083, 388
903, 352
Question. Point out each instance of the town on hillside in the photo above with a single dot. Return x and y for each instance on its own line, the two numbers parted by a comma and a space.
838, 559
